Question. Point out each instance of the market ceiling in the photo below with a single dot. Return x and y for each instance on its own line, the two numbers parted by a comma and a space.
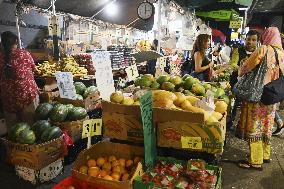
127, 10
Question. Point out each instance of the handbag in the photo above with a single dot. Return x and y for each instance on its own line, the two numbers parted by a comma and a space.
250, 86
273, 92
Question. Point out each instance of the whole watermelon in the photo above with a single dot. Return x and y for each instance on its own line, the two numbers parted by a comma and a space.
27, 137
16, 130
80, 88
77, 113
89, 91
40, 126
69, 107
51, 133
58, 113
43, 110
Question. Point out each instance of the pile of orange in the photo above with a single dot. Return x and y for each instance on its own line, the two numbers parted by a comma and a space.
110, 168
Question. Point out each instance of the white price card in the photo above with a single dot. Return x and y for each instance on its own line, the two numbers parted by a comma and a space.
53, 26
132, 72
65, 85
104, 76
162, 62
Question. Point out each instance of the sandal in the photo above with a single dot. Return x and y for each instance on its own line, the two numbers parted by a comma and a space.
246, 165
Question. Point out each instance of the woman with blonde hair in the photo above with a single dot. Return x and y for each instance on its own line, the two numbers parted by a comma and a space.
257, 119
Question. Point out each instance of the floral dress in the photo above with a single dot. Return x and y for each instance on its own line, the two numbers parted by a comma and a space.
256, 119
19, 92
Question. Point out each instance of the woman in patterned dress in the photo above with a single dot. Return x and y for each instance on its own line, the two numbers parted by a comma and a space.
18, 89
257, 120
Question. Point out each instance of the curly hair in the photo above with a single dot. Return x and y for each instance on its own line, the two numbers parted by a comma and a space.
199, 44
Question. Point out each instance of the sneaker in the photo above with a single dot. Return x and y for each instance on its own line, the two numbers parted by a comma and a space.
278, 131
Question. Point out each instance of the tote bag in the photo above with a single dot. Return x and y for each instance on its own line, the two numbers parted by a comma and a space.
250, 86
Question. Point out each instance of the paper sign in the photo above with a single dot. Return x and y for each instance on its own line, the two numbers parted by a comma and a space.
132, 72
146, 106
65, 85
53, 26
162, 62
235, 24
92, 127
191, 142
104, 76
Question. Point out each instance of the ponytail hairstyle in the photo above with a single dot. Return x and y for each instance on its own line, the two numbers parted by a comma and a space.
199, 45
8, 41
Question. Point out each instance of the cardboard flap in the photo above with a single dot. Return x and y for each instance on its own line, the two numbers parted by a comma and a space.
119, 108
165, 115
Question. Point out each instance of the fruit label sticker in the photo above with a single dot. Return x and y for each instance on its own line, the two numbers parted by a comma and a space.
104, 76
146, 107
92, 127
132, 72
191, 142
53, 26
65, 85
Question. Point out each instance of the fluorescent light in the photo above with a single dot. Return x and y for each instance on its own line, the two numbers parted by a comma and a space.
111, 9
243, 9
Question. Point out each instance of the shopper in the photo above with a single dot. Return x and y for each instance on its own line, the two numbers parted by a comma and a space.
151, 64
202, 65
257, 120
18, 89
238, 56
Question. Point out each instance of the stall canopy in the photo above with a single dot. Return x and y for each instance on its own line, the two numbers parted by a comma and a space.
126, 10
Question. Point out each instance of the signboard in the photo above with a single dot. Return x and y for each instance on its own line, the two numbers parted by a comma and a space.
65, 85
146, 107
132, 72
104, 76
235, 24
92, 127
53, 26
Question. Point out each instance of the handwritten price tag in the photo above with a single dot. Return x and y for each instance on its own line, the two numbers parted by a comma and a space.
65, 85
92, 127
162, 62
191, 142
132, 72
53, 26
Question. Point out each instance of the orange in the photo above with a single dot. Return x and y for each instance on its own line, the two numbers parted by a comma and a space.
107, 166
115, 163
102, 174
111, 158
94, 171
107, 177
122, 162
91, 163
100, 161
115, 176
125, 177
83, 169
116, 169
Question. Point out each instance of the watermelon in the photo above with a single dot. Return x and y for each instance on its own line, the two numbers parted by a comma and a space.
27, 137
40, 126
16, 131
89, 91
77, 113
79, 97
69, 107
80, 88
58, 113
43, 110
51, 133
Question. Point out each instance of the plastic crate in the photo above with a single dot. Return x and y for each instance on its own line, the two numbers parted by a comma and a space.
77, 184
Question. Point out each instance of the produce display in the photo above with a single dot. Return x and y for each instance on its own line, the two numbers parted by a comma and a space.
40, 131
65, 65
85, 60
178, 175
110, 168
60, 112
144, 45
223, 72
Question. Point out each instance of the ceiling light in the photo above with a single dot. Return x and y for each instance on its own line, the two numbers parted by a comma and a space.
112, 9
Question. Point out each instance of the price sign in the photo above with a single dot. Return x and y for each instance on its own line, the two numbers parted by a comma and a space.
53, 26
65, 85
235, 24
132, 72
146, 106
92, 127
104, 76
191, 142
162, 62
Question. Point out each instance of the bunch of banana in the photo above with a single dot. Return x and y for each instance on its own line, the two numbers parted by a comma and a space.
46, 69
69, 65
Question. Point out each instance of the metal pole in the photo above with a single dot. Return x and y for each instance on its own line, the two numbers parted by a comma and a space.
159, 25
18, 27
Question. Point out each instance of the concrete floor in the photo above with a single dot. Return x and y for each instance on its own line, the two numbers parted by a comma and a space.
272, 177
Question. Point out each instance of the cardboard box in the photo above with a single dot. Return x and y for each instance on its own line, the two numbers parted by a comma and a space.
78, 103
122, 122
102, 149
35, 156
43, 175
73, 128
175, 124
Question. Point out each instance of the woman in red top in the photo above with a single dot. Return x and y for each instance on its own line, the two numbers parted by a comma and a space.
19, 92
